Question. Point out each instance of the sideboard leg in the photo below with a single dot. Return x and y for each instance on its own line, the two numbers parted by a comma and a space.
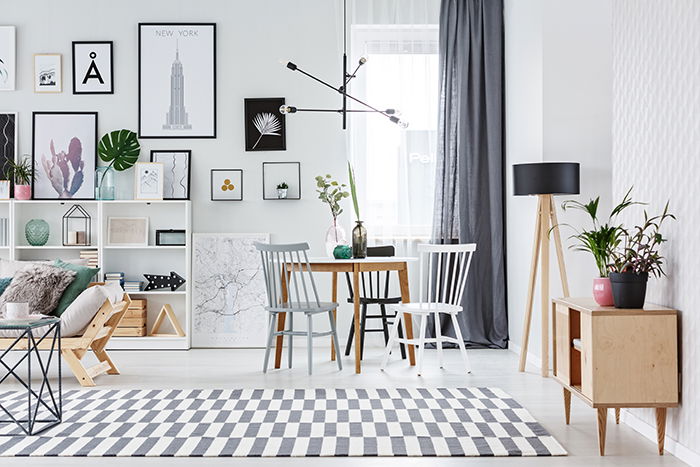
617, 415
567, 405
602, 423
661, 428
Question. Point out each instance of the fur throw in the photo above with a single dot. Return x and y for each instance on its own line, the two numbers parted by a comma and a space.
39, 285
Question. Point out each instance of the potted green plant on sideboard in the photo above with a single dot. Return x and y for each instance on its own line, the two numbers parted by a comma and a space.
121, 149
600, 240
636, 257
331, 192
22, 174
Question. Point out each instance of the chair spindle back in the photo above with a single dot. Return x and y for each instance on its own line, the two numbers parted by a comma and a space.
446, 274
288, 277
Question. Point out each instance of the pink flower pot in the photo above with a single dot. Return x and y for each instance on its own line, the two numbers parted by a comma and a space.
602, 291
23, 192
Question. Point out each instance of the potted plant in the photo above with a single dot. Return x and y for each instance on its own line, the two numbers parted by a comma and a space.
22, 173
120, 149
600, 240
331, 192
359, 233
635, 258
282, 190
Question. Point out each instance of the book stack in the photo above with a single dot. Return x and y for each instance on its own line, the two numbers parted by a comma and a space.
133, 286
115, 278
133, 324
4, 231
91, 257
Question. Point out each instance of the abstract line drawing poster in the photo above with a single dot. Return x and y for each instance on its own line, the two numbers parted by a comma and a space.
177, 80
8, 140
229, 295
176, 173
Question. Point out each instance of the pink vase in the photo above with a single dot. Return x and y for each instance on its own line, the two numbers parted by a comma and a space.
23, 192
602, 291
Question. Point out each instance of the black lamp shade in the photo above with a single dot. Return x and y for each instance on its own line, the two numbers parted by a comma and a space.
546, 178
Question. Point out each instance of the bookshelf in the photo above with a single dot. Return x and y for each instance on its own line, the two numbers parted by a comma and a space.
134, 261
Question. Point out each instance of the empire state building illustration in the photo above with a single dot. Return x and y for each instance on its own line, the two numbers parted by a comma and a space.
176, 117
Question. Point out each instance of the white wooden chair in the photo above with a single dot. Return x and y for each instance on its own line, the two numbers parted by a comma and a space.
446, 273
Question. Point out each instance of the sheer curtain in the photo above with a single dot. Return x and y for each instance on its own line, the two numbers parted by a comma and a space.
395, 167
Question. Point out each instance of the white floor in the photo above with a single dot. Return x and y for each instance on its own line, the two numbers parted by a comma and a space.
242, 369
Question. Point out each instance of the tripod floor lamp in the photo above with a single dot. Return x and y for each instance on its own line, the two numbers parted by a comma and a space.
545, 180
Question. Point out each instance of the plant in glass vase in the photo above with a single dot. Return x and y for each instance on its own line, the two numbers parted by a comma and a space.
331, 192
121, 149
600, 240
359, 233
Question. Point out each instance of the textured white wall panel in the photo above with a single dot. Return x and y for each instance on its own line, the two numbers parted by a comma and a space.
656, 148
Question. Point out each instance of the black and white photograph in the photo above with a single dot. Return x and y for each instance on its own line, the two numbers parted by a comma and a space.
48, 73
148, 183
176, 172
177, 80
8, 140
281, 180
8, 64
93, 68
265, 125
226, 184
64, 155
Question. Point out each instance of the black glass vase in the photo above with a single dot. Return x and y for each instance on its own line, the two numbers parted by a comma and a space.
359, 241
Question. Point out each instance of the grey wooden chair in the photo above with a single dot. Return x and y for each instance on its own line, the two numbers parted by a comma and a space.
291, 289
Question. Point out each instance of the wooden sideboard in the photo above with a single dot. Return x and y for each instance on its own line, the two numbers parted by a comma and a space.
616, 358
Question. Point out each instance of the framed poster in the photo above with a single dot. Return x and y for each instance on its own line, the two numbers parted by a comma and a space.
176, 172
64, 155
93, 71
48, 74
8, 142
228, 291
177, 80
281, 180
226, 184
265, 125
127, 231
8, 61
148, 183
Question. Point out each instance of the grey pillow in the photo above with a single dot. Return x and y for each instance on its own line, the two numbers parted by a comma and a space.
39, 285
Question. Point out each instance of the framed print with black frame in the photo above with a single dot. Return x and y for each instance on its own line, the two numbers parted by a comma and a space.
64, 155
281, 180
8, 143
265, 125
227, 184
177, 80
176, 172
93, 67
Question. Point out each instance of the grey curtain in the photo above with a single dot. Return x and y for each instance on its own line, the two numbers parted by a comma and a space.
469, 206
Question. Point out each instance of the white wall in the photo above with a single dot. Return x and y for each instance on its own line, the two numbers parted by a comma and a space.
656, 136
558, 108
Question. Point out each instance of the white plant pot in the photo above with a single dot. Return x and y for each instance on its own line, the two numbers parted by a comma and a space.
281, 193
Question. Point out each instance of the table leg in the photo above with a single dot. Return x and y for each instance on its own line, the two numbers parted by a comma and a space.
334, 299
408, 322
356, 316
661, 428
281, 319
602, 423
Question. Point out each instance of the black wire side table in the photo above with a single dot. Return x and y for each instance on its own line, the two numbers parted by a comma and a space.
43, 404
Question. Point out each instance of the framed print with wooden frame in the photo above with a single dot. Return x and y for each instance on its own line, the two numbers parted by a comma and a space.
176, 172
148, 182
93, 70
127, 231
48, 73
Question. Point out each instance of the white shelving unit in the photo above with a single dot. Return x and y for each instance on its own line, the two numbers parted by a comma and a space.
133, 261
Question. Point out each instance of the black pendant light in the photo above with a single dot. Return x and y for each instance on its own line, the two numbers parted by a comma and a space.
391, 114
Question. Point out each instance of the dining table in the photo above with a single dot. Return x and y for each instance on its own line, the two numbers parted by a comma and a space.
355, 267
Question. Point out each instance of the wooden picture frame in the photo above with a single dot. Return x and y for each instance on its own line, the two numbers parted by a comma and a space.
148, 181
48, 73
127, 231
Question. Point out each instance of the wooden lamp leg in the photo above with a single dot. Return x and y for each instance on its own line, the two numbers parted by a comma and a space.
544, 283
602, 423
661, 428
531, 286
558, 247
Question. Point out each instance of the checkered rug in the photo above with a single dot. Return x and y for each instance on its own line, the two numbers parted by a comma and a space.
286, 422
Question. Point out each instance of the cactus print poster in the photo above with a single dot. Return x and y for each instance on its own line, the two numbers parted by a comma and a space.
64, 155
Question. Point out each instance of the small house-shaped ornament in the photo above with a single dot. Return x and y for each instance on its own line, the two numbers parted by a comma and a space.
77, 226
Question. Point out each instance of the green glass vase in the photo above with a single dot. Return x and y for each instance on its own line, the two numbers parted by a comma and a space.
37, 232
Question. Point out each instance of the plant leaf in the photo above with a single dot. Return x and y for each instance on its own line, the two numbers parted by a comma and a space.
121, 148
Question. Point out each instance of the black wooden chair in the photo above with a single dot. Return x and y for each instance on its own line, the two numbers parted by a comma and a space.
375, 291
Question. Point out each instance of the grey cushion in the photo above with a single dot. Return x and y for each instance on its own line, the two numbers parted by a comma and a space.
39, 285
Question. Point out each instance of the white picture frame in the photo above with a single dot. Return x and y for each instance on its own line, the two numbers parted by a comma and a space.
4, 189
8, 58
48, 73
148, 180
127, 231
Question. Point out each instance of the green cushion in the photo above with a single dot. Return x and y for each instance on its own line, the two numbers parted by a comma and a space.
4, 282
83, 277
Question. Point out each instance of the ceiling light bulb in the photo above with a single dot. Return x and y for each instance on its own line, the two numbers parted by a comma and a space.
363, 60
403, 124
285, 109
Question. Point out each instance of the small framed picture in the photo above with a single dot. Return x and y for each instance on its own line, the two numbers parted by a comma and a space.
8, 66
176, 172
226, 184
149, 181
48, 73
127, 231
171, 237
4, 189
92, 68
265, 125
281, 180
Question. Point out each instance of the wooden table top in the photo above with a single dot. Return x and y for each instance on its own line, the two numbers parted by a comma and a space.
589, 306
368, 260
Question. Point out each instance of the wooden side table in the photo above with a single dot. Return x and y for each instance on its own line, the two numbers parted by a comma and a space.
616, 358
